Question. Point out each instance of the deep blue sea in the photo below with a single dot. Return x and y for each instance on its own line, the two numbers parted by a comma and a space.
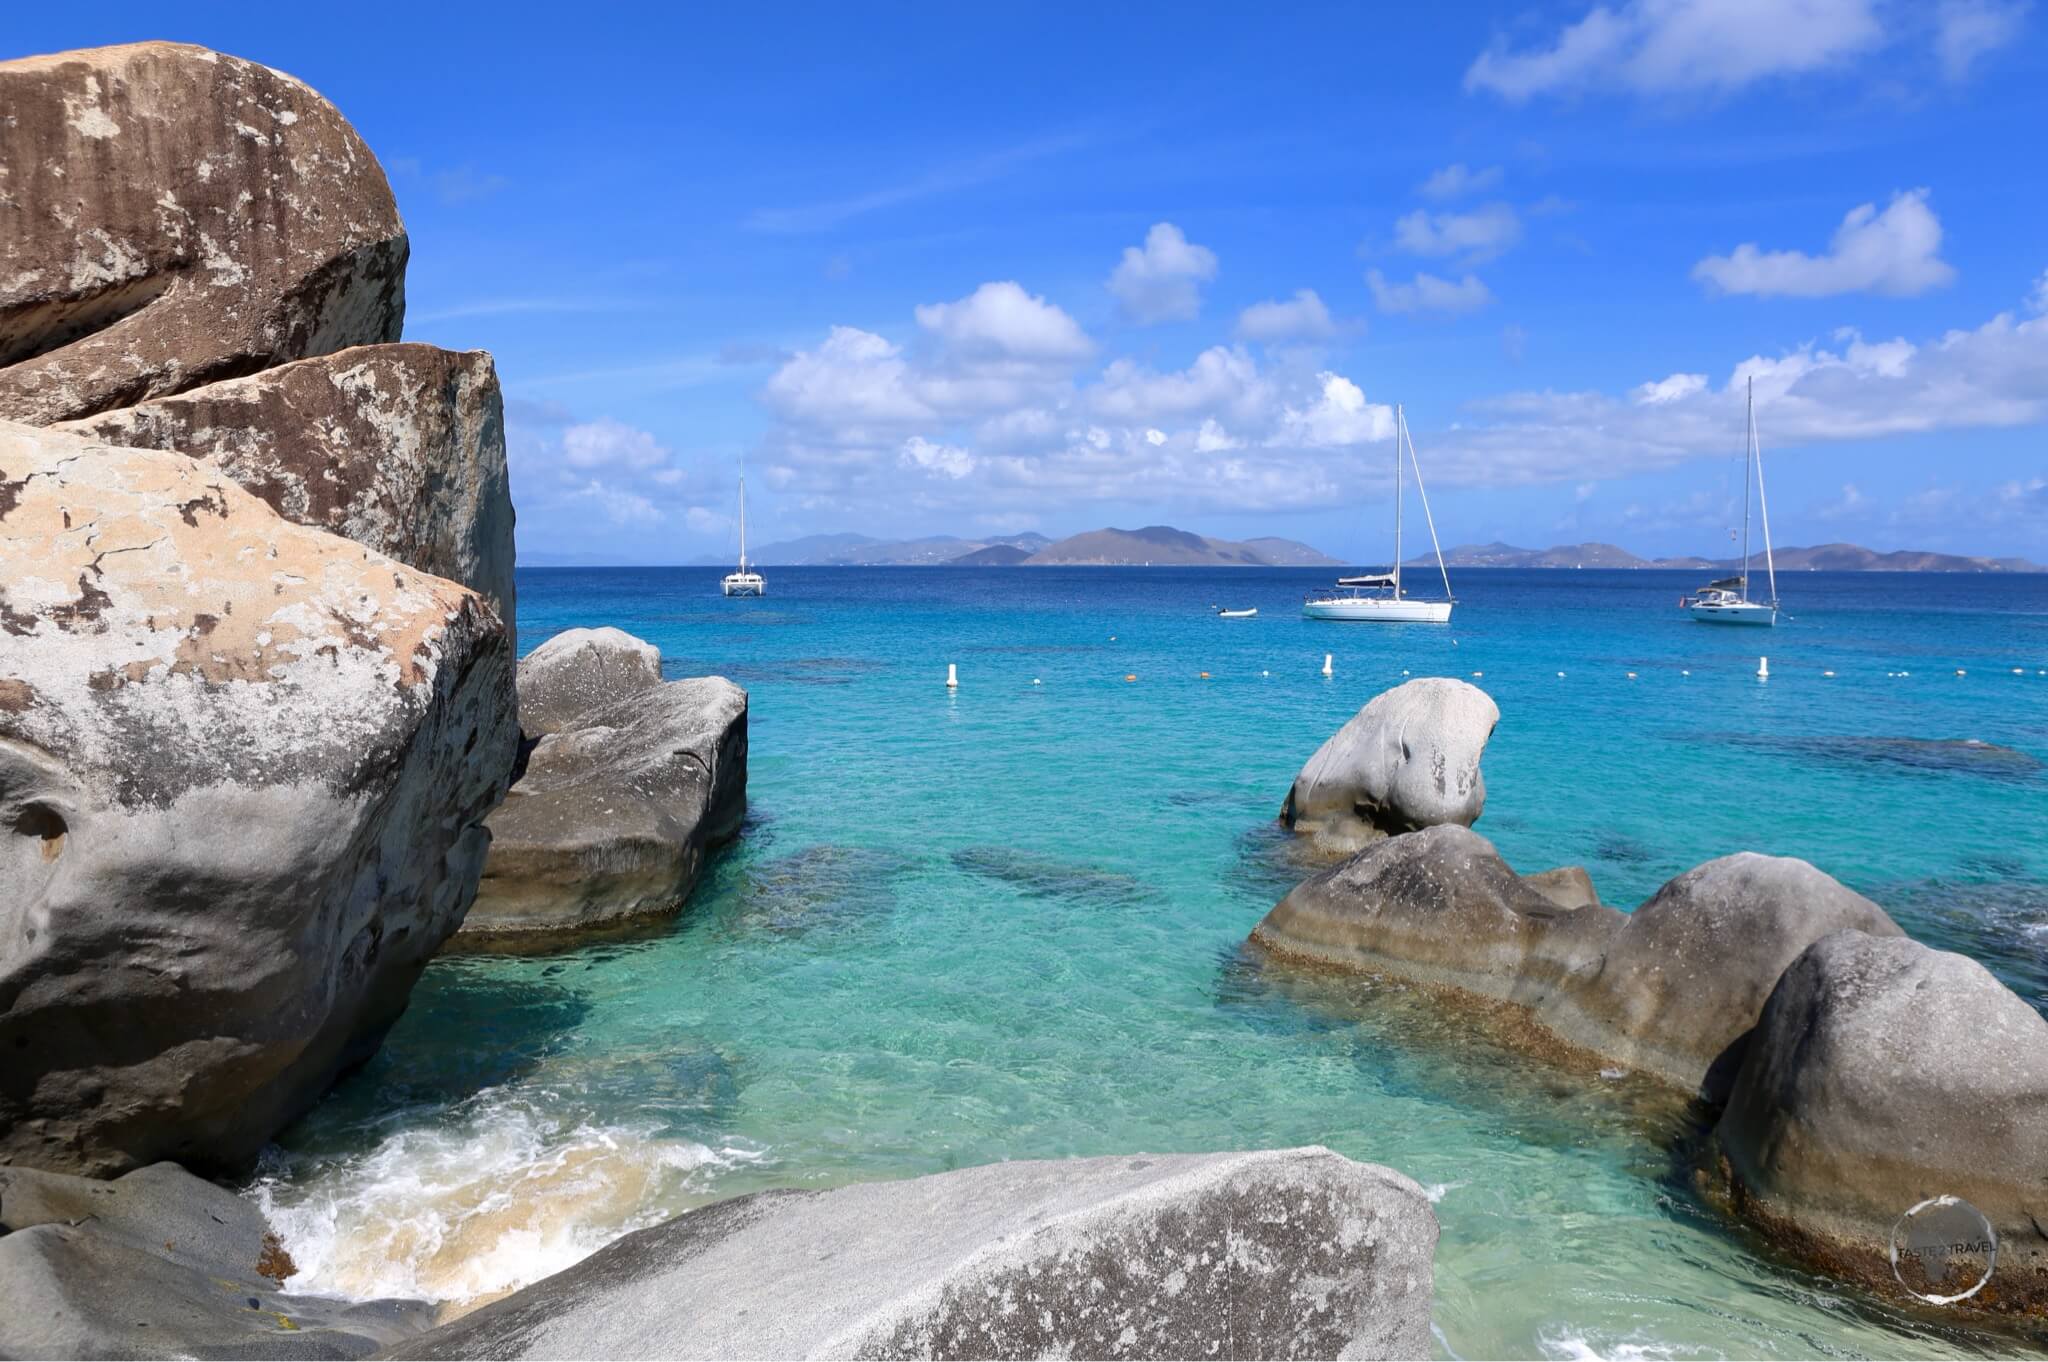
1004, 922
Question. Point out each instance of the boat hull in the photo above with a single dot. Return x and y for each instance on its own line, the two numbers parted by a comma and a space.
1369, 610
1747, 613
744, 584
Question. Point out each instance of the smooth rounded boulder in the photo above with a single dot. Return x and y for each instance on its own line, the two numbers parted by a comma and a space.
397, 447
1281, 1253
174, 216
244, 768
630, 785
1884, 1073
1688, 973
1409, 759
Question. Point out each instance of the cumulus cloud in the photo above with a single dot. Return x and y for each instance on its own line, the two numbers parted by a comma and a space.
620, 506
1427, 293
1478, 236
1339, 416
1457, 180
605, 443
946, 460
1003, 319
1670, 389
1896, 252
1162, 280
1966, 30
855, 376
1658, 47
1301, 318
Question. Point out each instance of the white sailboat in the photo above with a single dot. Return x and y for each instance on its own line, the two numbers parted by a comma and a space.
1727, 601
743, 582
1379, 596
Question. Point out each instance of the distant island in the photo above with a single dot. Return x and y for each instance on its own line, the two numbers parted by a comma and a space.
1156, 545
1819, 558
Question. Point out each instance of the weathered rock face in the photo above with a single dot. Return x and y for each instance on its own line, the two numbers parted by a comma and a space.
631, 784
1440, 906
1672, 989
1293, 1253
173, 217
579, 671
397, 447
1687, 975
1883, 1073
1568, 886
243, 772
162, 1264
1408, 760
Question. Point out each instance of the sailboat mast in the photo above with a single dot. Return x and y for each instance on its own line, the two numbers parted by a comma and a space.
1748, 465
1763, 506
743, 521
1400, 437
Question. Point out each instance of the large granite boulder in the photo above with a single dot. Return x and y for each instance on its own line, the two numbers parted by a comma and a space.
1883, 1073
244, 767
172, 217
397, 447
1441, 907
630, 784
159, 1263
1409, 759
1688, 973
1290, 1253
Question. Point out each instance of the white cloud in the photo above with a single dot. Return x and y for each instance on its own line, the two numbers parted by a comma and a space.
1479, 235
2037, 301
1427, 293
1301, 318
605, 443
1002, 319
1896, 252
1222, 379
1339, 416
946, 460
855, 376
1457, 180
620, 506
1659, 47
1669, 389
1968, 29
1161, 281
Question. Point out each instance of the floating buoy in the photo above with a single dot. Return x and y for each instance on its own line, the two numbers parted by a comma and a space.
1036, 682
1326, 665
952, 676
1131, 676
1763, 666
1631, 676
1961, 672
1265, 673
1685, 672
1905, 673
1205, 676
1827, 673
2019, 671
1477, 675
1560, 676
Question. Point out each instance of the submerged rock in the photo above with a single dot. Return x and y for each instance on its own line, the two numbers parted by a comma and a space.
244, 767
1409, 759
630, 785
1288, 1253
174, 217
162, 1264
1883, 1073
1687, 974
398, 447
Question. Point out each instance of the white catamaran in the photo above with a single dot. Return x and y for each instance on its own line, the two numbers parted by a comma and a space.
743, 582
1727, 601
1379, 596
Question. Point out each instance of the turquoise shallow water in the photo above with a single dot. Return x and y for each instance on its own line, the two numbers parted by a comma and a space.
1004, 922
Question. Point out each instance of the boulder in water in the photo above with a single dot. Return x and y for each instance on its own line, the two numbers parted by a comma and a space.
174, 217
579, 671
1409, 759
397, 447
1883, 1073
244, 767
1286, 1253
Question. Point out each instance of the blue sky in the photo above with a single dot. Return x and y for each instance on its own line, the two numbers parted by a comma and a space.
968, 270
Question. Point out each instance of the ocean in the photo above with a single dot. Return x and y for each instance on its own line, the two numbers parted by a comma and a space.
1004, 922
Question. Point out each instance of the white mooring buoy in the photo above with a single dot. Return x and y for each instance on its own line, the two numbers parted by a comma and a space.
952, 676
1763, 667
1326, 664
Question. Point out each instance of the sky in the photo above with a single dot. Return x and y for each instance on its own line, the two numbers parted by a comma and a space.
976, 270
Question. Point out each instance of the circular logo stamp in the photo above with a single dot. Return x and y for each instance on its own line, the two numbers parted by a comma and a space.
1943, 1250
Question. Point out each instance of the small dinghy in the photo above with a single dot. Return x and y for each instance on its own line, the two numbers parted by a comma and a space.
1221, 613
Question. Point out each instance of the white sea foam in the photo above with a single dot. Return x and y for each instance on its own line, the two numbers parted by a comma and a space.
470, 1212
1570, 1344
1437, 1191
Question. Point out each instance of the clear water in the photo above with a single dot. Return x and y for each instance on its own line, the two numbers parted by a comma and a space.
1004, 922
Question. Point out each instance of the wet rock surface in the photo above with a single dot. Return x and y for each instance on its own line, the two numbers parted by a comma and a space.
1408, 760
175, 217
1289, 1253
159, 1263
244, 767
